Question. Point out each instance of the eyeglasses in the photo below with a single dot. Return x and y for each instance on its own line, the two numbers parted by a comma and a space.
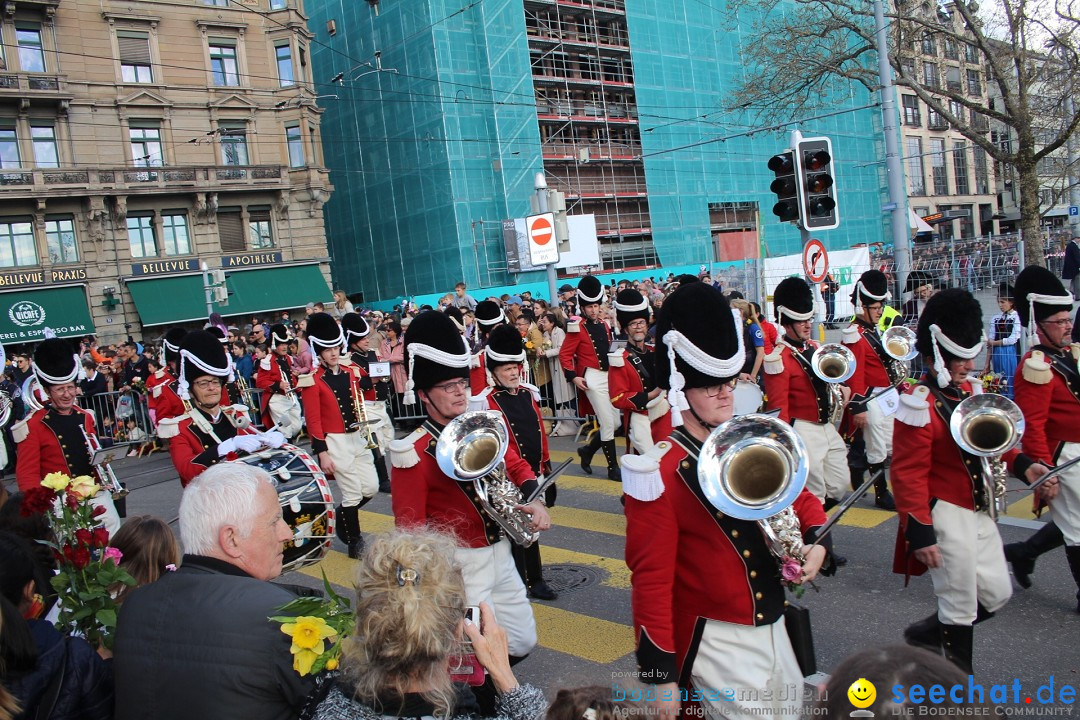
207, 383
715, 390
452, 386
1060, 323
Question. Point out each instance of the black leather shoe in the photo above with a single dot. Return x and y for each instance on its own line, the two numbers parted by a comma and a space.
356, 547
1022, 566
884, 500
543, 591
586, 460
840, 560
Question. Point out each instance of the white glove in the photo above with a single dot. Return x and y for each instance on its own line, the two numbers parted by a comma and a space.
248, 443
226, 446
272, 439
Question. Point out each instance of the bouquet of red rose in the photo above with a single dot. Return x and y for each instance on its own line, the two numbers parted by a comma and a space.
88, 568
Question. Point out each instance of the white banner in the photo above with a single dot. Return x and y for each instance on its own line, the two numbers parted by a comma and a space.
845, 266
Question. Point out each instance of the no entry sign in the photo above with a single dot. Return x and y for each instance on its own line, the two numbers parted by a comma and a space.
540, 229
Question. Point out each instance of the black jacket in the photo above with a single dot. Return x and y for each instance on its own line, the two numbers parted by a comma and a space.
86, 692
197, 643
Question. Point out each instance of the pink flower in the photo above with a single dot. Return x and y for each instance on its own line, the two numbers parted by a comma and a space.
113, 554
791, 570
170, 567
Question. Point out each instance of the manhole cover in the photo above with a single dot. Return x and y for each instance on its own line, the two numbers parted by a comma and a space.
568, 578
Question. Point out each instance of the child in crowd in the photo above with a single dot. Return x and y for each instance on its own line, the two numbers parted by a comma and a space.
149, 550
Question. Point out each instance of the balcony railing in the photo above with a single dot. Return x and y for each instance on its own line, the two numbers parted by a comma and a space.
587, 109
602, 187
594, 151
214, 176
936, 122
32, 83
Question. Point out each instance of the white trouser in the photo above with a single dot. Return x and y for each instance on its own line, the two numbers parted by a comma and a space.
384, 430
491, 577
973, 566
826, 459
354, 466
285, 413
1065, 508
111, 519
878, 432
738, 666
606, 414
641, 432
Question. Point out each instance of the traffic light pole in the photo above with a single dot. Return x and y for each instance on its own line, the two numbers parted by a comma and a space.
542, 203
894, 167
804, 234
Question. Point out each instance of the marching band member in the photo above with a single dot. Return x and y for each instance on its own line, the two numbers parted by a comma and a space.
942, 494
161, 387
804, 400
872, 406
376, 389
438, 360
584, 359
339, 435
55, 438
1047, 389
518, 403
275, 376
632, 376
208, 432
707, 596
488, 317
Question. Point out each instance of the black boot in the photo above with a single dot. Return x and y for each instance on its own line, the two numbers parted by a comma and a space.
858, 475
956, 641
925, 634
381, 471
349, 517
882, 497
1073, 554
1022, 554
829, 504
610, 454
341, 527
586, 452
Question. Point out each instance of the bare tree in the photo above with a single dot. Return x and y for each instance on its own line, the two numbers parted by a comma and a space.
811, 51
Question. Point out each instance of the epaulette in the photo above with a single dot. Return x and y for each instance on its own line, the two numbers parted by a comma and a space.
573, 326
774, 361
1036, 369
479, 400
403, 451
20, 431
474, 361
914, 408
306, 380
239, 416
849, 335
641, 473
160, 373
976, 384
170, 427
265, 363
616, 359
345, 360
156, 392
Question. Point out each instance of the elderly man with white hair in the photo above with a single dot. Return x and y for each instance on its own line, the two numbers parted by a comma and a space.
197, 643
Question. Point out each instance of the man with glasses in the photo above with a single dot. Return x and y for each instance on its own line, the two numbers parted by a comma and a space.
632, 377
208, 433
1047, 389
874, 399
438, 360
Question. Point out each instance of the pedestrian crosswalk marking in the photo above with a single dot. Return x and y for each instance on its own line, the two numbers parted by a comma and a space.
596, 486
864, 517
576, 634
604, 522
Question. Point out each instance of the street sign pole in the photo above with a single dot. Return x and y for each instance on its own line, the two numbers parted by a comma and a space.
542, 205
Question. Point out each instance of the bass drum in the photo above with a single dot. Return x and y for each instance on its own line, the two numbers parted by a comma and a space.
748, 398
306, 503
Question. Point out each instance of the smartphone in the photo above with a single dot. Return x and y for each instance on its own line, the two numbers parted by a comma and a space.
472, 614
465, 667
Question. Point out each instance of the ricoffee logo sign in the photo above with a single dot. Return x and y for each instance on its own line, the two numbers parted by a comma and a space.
26, 314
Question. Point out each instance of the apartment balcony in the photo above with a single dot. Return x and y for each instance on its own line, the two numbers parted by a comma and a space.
980, 124
936, 122
49, 87
54, 182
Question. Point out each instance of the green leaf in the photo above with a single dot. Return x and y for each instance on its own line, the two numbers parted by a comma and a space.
107, 617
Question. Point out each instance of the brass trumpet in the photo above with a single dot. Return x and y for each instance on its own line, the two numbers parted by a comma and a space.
899, 344
988, 426
106, 475
361, 412
833, 363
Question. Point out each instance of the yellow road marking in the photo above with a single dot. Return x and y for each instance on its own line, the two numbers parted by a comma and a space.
1021, 508
864, 517
600, 641
587, 484
608, 523
618, 575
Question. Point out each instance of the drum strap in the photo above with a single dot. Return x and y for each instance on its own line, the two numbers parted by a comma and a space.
198, 417
821, 388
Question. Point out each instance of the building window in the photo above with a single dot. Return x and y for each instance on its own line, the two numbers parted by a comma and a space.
278, 4
296, 146
9, 148
260, 234
974, 83
971, 53
928, 44
31, 51
217, 3
952, 79
949, 49
230, 230
907, 67
914, 162
174, 234
234, 150
17, 243
44, 138
60, 239
930, 75
982, 178
937, 166
911, 111
146, 145
135, 63
283, 53
960, 170
141, 236
223, 64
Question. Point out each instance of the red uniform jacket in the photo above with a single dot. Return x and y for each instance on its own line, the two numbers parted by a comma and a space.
869, 369
691, 563
1049, 401
521, 413
324, 411
161, 396
52, 444
478, 374
581, 350
268, 379
628, 393
192, 450
423, 496
929, 466
792, 390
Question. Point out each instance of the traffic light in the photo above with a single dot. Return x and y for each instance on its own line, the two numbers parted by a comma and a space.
817, 194
785, 186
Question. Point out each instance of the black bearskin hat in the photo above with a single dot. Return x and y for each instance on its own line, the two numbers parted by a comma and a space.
950, 328
696, 320
323, 332
687, 278
505, 346
455, 314
279, 334
630, 305
589, 291
201, 354
170, 344
871, 287
793, 301
1039, 293
55, 363
1005, 291
434, 352
355, 327
488, 315
218, 333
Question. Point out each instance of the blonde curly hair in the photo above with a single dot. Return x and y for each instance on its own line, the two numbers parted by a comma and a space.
410, 603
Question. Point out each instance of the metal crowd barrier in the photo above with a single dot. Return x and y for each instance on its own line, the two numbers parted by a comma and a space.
121, 416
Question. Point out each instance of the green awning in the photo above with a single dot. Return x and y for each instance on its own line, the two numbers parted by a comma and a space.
164, 300
24, 314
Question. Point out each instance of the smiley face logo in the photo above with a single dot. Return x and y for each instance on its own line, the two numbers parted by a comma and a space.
862, 693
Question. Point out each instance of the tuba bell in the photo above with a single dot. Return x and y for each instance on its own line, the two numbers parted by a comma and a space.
471, 449
899, 344
988, 426
833, 363
752, 468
